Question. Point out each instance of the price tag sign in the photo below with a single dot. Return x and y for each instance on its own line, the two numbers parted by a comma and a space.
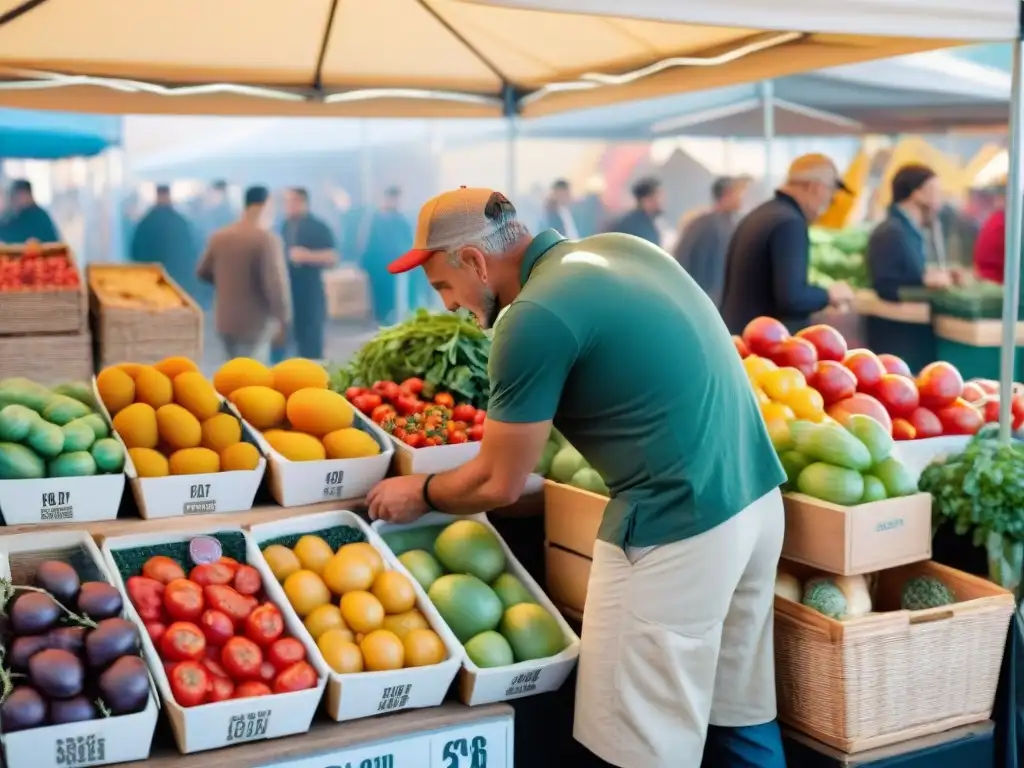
481, 745
402, 753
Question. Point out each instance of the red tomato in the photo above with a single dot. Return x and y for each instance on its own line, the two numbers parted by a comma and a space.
795, 353
741, 347
162, 569
457, 437
217, 627
1017, 411
432, 441
264, 625
267, 672
861, 403
463, 412
227, 600
221, 689
834, 381
189, 683
169, 668
414, 440
183, 600
381, 412
353, 392
388, 390
251, 689
407, 405
762, 334
366, 403
903, 430
285, 652
475, 433
211, 573
212, 665
247, 580
413, 386
155, 630
298, 677
230, 562
866, 367
940, 384
241, 659
828, 342
897, 393
147, 595
960, 418
926, 424
481, 416
991, 409
182, 642
973, 392
445, 399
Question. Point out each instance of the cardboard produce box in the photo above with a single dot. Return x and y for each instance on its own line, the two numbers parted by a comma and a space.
568, 575
572, 517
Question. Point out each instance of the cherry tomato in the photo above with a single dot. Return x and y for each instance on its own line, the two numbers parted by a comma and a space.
264, 625
247, 580
298, 677
251, 689
241, 659
433, 440
475, 433
211, 573
457, 437
267, 672
213, 666
414, 440
220, 689
407, 405
399, 433
162, 569
285, 652
189, 683
353, 392
413, 386
386, 389
366, 403
147, 595
443, 398
182, 641
217, 627
227, 600
480, 417
183, 600
381, 412
464, 412
155, 630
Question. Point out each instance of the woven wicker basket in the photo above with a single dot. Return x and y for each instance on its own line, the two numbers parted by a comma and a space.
892, 676
48, 359
140, 335
43, 311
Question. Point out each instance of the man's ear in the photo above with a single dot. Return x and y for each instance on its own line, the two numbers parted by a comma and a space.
474, 259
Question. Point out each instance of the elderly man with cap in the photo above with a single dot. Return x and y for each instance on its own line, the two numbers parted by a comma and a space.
897, 252
677, 631
767, 260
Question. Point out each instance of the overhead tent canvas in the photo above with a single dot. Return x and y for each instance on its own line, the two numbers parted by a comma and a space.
434, 58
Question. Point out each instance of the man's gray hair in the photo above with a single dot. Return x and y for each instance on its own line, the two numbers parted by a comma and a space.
506, 233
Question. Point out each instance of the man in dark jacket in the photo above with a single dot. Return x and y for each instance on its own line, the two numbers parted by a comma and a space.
767, 260
703, 243
164, 236
897, 253
26, 219
641, 221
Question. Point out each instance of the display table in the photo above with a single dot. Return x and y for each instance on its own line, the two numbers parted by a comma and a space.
901, 328
973, 346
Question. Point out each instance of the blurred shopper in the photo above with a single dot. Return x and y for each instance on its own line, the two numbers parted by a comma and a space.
767, 259
558, 211
351, 224
26, 219
309, 250
704, 241
897, 249
213, 212
589, 212
390, 233
244, 264
642, 220
677, 631
990, 248
164, 236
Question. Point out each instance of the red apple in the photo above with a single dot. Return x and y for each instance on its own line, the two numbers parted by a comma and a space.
897, 393
866, 367
960, 418
940, 384
973, 392
903, 430
893, 364
988, 386
829, 342
741, 348
795, 353
926, 423
861, 403
762, 334
833, 380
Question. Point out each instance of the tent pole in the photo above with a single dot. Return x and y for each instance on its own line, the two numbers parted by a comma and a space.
768, 106
1011, 280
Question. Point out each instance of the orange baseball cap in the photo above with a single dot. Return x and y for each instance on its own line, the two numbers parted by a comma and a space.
451, 220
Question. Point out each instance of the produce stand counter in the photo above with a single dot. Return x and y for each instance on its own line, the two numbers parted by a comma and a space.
973, 345
900, 328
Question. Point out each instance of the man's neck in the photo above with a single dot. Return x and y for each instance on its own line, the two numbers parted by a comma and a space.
912, 212
252, 217
513, 266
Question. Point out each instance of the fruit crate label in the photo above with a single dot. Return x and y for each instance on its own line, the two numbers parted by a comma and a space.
252, 725
395, 697
524, 683
56, 505
889, 525
333, 487
80, 750
199, 502
483, 745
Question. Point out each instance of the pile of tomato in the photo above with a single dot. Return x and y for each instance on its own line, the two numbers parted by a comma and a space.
419, 422
217, 635
32, 271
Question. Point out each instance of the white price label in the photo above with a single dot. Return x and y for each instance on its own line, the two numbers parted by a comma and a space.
403, 753
482, 745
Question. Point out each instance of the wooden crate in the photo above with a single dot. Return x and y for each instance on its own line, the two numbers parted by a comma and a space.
45, 311
127, 330
49, 359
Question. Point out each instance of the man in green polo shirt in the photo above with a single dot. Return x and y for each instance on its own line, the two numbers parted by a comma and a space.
611, 340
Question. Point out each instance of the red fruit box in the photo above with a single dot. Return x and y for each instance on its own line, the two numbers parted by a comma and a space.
57, 304
223, 723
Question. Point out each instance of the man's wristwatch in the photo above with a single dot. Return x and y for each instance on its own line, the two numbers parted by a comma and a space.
426, 492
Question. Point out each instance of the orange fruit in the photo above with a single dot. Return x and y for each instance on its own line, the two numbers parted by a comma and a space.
382, 650
323, 619
779, 383
369, 552
306, 592
422, 648
341, 654
806, 403
395, 592
314, 553
361, 611
348, 571
282, 561
404, 623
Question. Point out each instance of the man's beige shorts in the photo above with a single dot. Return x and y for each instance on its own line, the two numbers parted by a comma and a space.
679, 636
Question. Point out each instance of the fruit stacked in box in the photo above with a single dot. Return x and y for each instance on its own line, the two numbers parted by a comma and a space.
405, 413
67, 655
362, 616
53, 432
170, 418
217, 634
813, 372
462, 567
33, 271
290, 404
564, 464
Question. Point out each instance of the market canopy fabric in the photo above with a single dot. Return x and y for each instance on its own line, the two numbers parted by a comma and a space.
432, 58
54, 135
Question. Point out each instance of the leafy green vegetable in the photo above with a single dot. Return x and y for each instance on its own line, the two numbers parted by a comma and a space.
448, 351
838, 255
